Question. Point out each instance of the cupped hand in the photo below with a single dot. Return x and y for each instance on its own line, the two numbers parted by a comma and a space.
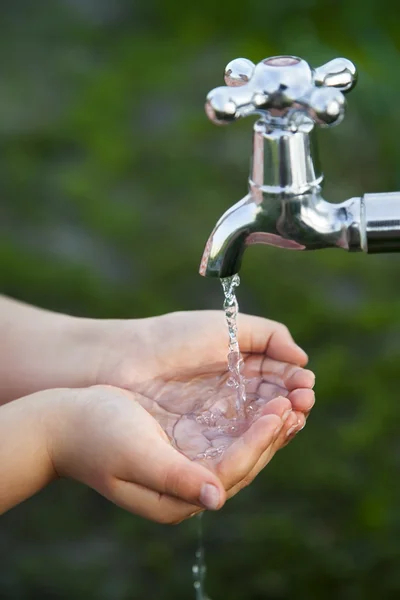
177, 364
103, 437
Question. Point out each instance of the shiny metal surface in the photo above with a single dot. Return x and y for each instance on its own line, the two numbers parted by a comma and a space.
282, 87
304, 222
284, 161
284, 206
238, 72
339, 73
381, 222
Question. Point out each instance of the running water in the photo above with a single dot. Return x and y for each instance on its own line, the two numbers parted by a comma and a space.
237, 381
199, 567
235, 362
222, 423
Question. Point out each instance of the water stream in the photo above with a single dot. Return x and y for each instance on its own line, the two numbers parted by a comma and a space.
199, 567
235, 362
237, 381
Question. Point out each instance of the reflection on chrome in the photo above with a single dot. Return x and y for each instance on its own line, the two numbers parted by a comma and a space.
284, 206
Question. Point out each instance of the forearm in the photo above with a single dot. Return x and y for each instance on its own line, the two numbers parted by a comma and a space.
40, 350
25, 463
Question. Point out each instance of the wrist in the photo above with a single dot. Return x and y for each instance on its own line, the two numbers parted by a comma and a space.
76, 352
122, 350
82, 345
46, 350
25, 461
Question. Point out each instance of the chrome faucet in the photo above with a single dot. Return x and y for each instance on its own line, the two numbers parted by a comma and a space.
284, 206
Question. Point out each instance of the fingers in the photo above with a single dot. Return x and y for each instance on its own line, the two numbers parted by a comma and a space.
271, 378
262, 336
163, 469
294, 430
240, 465
241, 457
149, 504
302, 400
294, 423
299, 378
283, 374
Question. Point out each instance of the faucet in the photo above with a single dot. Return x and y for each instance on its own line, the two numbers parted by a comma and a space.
284, 206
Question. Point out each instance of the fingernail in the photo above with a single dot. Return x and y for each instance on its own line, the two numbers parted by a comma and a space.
292, 429
286, 415
209, 496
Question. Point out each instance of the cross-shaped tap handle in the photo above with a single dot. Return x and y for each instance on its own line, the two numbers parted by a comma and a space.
284, 88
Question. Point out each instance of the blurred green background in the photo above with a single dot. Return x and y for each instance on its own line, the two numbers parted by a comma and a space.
111, 179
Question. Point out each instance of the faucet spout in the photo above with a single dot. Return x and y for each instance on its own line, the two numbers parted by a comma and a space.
304, 222
224, 249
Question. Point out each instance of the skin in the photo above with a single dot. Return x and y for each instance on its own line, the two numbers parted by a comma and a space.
122, 418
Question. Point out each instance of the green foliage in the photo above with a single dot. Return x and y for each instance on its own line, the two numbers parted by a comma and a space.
111, 179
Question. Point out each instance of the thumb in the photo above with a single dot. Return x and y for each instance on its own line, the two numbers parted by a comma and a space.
165, 470
262, 336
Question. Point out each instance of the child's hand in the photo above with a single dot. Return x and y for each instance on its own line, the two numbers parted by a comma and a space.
107, 440
103, 437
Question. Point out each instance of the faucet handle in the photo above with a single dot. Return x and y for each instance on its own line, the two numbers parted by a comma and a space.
339, 73
284, 90
238, 72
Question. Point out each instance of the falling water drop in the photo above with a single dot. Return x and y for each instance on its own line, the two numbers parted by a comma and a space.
199, 567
